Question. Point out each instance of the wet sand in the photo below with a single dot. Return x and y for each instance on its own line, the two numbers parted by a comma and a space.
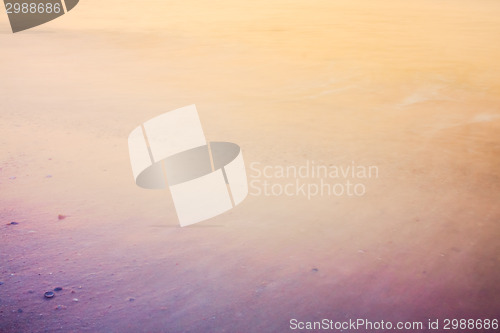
411, 88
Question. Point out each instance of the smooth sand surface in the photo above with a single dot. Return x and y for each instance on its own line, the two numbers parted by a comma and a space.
413, 88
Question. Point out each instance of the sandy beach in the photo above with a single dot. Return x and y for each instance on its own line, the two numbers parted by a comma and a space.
411, 88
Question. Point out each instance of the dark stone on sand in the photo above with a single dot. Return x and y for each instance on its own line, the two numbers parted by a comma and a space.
13, 223
20, 310
58, 289
1, 283
314, 270
49, 294
131, 299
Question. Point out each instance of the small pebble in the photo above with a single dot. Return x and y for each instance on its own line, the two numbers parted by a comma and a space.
49, 294
58, 289
75, 299
131, 299
60, 307
61, 217
13, 223
20, 310
314, 269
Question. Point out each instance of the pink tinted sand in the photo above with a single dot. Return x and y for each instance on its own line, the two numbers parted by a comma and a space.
412, 89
